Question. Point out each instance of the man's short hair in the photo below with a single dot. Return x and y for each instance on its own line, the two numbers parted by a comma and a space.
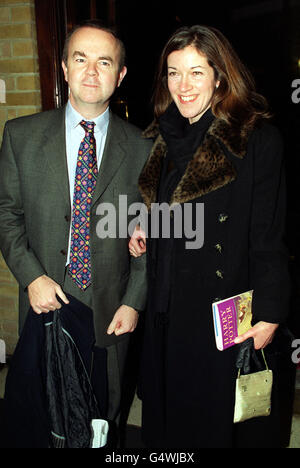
96, 25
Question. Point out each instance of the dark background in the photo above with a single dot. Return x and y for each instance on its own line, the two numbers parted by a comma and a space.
264, 33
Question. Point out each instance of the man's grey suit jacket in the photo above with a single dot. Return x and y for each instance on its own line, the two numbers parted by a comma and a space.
35, 211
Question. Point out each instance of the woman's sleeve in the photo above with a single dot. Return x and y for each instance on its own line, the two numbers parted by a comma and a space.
269, 270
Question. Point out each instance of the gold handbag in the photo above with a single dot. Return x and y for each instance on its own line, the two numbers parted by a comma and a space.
253, 394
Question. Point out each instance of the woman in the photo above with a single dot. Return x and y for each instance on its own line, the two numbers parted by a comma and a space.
213, 146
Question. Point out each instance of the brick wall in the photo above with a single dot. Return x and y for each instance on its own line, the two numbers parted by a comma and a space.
20, 77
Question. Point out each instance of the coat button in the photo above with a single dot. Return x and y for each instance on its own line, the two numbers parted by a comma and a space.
63, 252
216, 299
222, 217
220, 274
219, 248
68, 218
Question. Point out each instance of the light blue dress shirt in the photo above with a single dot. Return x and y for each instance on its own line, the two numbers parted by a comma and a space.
74, 135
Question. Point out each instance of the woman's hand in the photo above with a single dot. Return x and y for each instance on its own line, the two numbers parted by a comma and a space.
262, 333
137, 243
124, 321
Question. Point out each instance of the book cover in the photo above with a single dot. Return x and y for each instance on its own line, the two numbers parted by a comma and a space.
232, 317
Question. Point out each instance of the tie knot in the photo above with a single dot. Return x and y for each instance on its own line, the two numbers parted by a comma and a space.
88, 126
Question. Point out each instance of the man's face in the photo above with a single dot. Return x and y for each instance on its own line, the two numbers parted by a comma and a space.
92, 70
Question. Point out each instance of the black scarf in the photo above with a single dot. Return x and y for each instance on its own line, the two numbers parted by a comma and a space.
182, 139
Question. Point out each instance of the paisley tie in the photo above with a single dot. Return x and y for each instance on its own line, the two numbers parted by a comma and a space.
85, 182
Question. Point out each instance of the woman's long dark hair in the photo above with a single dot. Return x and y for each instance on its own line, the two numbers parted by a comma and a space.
235, 100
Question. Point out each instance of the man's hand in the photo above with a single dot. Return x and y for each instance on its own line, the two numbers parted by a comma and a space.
124, 321
42, 295
262, 333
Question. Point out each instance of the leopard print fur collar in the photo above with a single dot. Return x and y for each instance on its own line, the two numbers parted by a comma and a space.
208, 170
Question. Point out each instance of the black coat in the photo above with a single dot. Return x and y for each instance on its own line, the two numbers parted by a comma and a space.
187, 385
50, 391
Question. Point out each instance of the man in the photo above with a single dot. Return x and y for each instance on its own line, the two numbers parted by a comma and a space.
42, 198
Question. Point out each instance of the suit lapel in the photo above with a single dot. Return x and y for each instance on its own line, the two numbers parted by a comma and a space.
113, 155
54, 148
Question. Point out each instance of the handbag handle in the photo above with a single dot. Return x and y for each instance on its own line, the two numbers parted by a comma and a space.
264, 358
246, 351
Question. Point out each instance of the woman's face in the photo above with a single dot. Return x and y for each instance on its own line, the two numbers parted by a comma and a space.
191, 82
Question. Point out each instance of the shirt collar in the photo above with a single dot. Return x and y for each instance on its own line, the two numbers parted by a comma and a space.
73, 119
